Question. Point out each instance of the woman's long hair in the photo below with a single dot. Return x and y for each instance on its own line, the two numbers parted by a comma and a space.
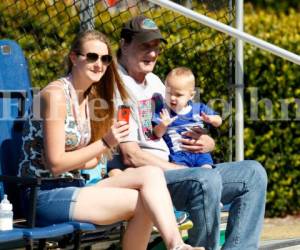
100, 94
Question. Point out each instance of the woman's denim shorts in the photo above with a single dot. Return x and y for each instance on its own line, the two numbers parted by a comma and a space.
56, 200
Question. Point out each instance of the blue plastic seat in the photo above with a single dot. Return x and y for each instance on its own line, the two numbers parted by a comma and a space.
11, 239
15, 100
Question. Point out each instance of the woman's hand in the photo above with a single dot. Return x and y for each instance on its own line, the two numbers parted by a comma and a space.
198, 142
117, 133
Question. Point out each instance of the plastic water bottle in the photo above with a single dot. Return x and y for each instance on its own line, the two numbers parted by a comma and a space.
6, 214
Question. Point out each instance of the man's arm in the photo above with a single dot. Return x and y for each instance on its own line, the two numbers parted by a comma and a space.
134, 156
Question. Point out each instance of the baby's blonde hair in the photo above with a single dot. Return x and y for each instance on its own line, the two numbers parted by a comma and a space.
183, 72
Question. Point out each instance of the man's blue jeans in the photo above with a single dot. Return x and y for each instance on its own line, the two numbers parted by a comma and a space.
199, 191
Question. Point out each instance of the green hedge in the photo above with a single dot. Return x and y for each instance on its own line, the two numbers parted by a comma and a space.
274, 140
275, 4
45, 35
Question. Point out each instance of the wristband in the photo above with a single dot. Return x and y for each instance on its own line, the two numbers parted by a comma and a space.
105, 143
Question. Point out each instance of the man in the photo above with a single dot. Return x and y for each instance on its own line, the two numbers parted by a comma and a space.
198, 191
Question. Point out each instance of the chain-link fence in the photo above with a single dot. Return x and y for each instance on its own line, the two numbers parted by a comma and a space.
45, 28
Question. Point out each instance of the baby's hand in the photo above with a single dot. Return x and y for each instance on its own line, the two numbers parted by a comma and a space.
166, 120
206, 118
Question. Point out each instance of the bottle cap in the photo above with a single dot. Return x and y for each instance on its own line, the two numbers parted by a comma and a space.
5, 204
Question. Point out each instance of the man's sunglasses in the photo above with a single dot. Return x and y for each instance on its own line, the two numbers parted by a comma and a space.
93, 57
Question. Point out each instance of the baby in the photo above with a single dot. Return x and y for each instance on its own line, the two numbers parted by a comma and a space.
179, 114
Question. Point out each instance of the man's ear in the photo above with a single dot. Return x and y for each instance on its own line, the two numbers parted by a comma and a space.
123, 46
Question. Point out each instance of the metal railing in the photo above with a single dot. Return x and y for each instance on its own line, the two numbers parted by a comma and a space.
229, 30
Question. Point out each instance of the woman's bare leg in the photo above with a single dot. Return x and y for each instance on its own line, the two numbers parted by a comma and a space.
115, 199
107, 205
156, 199
138, 229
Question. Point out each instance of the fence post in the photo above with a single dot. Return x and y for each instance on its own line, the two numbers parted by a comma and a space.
239, 84
230, 84
87, 15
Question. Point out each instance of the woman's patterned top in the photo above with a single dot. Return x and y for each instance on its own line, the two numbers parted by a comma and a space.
77, 135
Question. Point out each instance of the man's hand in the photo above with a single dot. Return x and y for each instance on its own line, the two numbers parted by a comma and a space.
198, 142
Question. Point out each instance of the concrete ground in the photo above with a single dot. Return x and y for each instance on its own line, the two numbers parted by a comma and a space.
281, 228
281, 233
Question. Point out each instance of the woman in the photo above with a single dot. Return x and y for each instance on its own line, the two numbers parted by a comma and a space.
71, 134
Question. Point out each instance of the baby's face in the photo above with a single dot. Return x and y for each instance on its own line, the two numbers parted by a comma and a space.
178, 93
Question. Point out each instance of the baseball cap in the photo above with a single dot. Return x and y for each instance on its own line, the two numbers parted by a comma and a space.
142, 29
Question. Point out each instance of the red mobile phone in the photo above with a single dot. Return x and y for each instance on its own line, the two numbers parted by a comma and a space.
123, 113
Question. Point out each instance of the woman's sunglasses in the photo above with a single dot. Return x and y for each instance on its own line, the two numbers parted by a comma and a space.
93, 57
